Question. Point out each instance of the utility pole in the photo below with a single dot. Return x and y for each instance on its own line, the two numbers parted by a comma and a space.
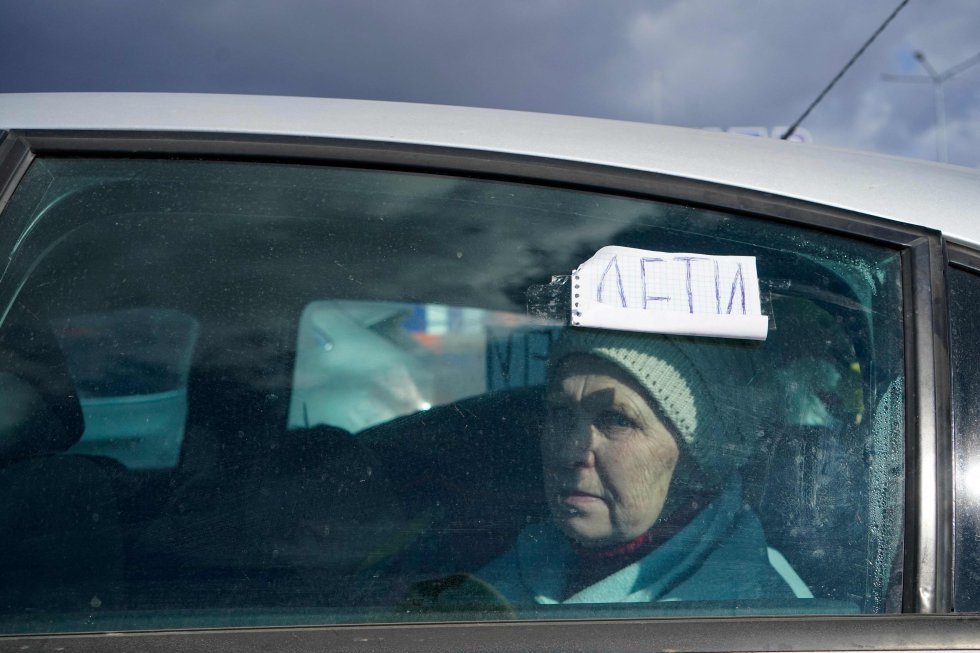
938, 81
658, 96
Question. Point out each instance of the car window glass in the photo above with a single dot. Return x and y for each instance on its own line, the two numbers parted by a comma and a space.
304, 394
964, 295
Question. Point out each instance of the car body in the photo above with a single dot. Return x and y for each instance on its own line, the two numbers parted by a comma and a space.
305, 343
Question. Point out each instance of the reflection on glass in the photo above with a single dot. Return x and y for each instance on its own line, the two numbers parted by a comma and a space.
371, 415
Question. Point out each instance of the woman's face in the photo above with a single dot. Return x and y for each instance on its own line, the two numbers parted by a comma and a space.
608, 458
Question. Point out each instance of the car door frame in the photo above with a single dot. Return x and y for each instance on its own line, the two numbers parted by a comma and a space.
928, 507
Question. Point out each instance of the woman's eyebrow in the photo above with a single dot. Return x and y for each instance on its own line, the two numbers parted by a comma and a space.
600, 398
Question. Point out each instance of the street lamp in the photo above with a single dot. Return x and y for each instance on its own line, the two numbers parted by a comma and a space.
937, 80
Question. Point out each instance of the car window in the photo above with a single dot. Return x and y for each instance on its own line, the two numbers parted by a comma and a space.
964, 293
288, 394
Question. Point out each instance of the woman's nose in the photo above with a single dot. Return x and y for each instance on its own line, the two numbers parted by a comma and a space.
586, 458
579, 446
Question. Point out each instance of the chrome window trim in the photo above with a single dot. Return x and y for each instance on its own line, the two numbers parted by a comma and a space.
963, 256
742, 634
929, 463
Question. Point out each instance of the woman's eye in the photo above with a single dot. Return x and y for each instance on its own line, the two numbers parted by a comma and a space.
612, 420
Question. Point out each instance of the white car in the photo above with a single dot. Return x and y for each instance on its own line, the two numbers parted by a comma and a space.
287, 373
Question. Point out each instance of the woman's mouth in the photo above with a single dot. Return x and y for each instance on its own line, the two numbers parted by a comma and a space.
576, 498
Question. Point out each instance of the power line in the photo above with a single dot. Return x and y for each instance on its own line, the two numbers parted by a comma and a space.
792, 128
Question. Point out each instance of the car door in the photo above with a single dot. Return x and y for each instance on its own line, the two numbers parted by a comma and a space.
298, 382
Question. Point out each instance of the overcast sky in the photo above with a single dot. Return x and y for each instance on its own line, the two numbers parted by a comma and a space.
698, 63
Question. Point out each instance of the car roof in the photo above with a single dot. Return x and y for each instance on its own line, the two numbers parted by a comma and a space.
936, 196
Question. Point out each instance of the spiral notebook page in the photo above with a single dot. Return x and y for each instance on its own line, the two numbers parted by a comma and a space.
664, 292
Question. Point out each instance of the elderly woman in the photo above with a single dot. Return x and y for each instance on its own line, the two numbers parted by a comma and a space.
641, 449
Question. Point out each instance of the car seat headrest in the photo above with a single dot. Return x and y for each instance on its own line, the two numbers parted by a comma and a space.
39, 409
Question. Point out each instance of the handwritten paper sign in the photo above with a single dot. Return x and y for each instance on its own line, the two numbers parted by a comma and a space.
659, 292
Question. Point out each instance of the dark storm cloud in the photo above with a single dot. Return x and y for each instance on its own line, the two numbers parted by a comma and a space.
485, 54
691, 62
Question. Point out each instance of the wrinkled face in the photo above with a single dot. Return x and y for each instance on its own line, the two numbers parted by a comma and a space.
608, 458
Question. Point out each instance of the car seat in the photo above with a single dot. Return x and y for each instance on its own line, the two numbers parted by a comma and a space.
259, 515
469, 475
63, 546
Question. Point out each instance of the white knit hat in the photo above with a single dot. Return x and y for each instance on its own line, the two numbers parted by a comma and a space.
698, 385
